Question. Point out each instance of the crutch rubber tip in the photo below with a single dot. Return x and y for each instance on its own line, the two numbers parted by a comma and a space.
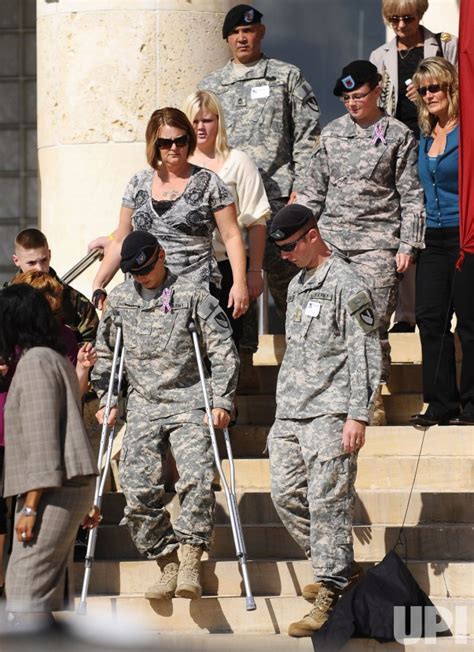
81, 609
250, 603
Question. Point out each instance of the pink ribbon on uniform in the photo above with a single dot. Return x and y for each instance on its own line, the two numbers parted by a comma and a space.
379, 133
166, 297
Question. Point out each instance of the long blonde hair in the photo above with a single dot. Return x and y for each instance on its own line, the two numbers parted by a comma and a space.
436, 70
206, 100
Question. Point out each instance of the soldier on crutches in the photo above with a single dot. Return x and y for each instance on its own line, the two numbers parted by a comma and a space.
166, 408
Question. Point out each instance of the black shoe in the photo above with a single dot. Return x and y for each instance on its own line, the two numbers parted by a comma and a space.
402, 327
431, 419
463, 420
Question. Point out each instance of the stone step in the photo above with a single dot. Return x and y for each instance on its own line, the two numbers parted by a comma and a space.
267, 577
451, 542
377, 472
220, 615
372, 506
406, 349
251, 441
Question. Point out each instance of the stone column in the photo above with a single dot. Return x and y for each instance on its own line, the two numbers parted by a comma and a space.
103, 67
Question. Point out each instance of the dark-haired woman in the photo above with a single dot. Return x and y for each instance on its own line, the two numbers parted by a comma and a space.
181, 204
441, 289
49, 463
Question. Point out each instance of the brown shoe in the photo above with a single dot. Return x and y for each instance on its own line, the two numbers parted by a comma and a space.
189, 583
310, 591
327, 597
165, 588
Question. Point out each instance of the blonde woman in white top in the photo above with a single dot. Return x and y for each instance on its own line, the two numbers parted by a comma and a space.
243, 179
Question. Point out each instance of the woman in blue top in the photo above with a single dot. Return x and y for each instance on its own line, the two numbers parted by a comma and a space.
442, 290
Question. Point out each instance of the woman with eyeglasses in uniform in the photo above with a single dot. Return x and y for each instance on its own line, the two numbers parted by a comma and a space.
441, 289
397, 62
181, 204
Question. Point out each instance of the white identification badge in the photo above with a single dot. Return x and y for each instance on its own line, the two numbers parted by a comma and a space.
312, 309
259, 92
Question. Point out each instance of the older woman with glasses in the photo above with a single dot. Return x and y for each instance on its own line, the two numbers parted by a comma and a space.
397, 61
181, 204
441, 290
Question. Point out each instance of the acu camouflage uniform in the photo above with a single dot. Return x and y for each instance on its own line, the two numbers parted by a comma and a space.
271, 113
369, 204
330, 372
166, 406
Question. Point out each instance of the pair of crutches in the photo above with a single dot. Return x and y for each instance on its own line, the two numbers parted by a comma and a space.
106, 442
105, 448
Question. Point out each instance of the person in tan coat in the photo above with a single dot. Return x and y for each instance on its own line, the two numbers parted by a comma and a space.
49, 463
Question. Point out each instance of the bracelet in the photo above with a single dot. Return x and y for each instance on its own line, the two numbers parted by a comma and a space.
28, 511
98, 294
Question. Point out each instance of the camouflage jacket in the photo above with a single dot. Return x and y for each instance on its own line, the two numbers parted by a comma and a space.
366, 194
332, 363
160, 361
271, 113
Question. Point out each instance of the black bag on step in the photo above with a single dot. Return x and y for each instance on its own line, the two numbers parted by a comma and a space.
367, 609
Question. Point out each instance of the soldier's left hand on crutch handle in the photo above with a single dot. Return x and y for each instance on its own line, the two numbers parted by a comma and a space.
220, 418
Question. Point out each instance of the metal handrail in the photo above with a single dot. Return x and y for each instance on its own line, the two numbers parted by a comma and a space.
263, 308
82, 265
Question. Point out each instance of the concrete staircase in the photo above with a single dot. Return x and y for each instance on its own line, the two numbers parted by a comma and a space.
438, 533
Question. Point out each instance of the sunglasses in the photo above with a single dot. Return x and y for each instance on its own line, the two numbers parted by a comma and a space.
167, 143
432, 88
290, 246
406, 19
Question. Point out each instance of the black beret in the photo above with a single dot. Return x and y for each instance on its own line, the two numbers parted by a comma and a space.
355, 75
289, 220
240, 15
138, 249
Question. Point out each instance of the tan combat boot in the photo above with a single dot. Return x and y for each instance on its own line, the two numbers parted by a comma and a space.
310, 591
323, 605
166, 586
189, 585
379, 418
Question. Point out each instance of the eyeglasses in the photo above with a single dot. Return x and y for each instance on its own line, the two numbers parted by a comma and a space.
290, 246
432, 88
406, 19
357, 97
167, 143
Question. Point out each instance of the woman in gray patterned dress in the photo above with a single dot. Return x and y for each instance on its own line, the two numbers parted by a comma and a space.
181, 204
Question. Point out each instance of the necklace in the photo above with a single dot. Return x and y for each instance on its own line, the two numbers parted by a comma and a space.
404, 53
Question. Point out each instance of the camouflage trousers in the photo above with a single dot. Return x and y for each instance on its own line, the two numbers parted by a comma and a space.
145, 444
312, 485
378, 270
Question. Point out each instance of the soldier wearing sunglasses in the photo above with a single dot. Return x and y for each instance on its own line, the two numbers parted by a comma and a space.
363, 188
165, 407
326, 387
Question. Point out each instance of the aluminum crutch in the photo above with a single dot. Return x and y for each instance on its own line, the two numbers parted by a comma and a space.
106, 443
230, 493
